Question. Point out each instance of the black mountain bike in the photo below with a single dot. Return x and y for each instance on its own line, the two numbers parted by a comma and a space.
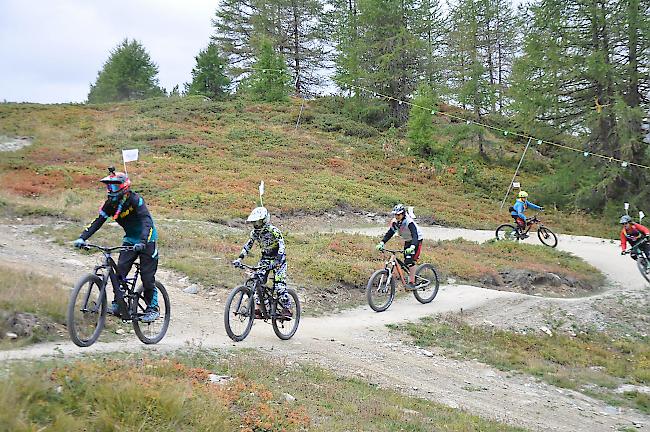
240, 307
380, 291
642, 260
512, 232
88, 303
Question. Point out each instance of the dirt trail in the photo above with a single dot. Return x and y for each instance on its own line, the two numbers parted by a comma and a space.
356, 342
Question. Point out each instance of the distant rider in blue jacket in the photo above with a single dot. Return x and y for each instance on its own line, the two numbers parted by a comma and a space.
518, 210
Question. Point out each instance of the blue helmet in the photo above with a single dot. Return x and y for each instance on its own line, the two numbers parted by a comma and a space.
625, 219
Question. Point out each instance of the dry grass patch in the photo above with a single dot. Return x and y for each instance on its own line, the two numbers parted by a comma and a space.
175, 393
592, 362
31, 306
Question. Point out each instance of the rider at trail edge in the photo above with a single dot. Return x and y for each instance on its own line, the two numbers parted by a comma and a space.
518, 210
409, 231
634, 233
128, 209
273, 257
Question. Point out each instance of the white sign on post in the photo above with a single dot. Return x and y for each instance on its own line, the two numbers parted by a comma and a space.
130, 155
516, 185
262, 193
627, 206
641, 215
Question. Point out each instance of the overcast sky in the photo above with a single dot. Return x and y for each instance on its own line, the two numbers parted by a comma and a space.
51, 50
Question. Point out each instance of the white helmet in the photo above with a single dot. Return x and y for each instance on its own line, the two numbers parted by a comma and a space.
260, 217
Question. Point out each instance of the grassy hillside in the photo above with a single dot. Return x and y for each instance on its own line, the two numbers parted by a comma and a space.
204, 160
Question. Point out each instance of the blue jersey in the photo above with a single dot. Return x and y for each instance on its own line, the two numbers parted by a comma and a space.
131, 214
520, 207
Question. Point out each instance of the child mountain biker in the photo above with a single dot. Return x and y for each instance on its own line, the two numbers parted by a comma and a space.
128, 209
634, 233
518, 210
408, 230
273, 256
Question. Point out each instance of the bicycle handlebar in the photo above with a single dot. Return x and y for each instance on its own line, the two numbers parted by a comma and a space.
392, 251
636, 245
247, 267
105, 249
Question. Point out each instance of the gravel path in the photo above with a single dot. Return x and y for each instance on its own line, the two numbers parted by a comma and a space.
357, 343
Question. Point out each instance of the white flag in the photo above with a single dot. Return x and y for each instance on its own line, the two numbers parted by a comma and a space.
641, 215
410, 212
130, 155
262, 188
626, 206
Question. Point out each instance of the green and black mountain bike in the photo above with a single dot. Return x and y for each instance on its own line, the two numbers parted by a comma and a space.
88, 303
240, 307
642, 260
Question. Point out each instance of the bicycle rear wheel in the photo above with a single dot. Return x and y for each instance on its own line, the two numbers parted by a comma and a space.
286, 328
380, 290
153, 332
642, 264
86, 311
547, 237
238, 316
507, 232
426, 283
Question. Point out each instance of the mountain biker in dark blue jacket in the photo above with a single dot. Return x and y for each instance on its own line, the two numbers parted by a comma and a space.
128, 209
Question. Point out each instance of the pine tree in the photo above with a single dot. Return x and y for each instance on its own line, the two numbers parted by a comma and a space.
580, 73
431, 27
233, 30
270, 80
208, 76
421, 131
389, 51
343, 31
293, 27
128, 74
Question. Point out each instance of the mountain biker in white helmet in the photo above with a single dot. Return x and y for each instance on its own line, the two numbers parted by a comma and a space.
409, 231
273, 258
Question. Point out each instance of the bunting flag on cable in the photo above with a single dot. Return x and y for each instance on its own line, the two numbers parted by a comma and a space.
622, 163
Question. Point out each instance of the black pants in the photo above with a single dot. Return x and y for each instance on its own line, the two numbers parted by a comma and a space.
148, 267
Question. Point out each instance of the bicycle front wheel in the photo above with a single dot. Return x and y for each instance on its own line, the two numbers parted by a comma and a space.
426, 283
507, 232
285, 328
380, 290
547, 237
86, 310
152, 332
238, 316
642, 264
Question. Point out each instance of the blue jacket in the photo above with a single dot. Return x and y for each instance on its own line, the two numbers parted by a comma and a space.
521, 206
131, 214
